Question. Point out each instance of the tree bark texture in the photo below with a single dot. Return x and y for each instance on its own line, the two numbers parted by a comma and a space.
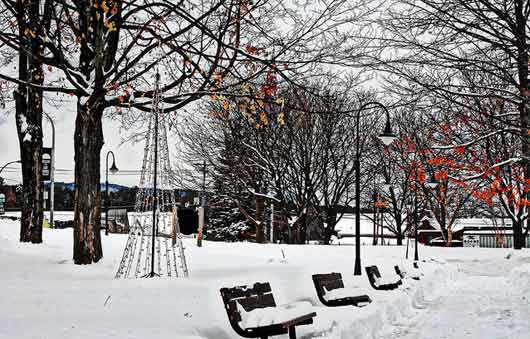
260, 217
28, 107
88, 141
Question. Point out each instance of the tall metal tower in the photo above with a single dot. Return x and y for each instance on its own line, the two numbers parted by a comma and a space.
154, 247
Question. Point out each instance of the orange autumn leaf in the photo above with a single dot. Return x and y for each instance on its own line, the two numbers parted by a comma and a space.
441, 175
446, 128
460, 183
421, 175
436, 161
460, 150
251, 49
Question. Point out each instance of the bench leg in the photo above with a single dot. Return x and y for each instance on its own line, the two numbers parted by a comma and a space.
292, 332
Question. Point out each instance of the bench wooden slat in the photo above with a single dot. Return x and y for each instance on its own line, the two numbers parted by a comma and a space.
257, 301
245, 292
332, 281
298, 320
259, 296
373, 272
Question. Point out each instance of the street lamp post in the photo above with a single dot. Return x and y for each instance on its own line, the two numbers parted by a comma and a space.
416, 256
387, 137
113, 169
52, 172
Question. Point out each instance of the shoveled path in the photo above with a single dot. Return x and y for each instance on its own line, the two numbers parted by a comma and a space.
479, 304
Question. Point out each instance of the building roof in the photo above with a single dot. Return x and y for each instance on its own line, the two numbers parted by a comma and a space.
346, 226
482, 223
461, 224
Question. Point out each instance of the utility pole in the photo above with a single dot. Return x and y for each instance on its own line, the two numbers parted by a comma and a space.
271, 235
202, 209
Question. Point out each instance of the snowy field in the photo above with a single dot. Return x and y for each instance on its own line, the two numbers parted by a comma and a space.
464, 293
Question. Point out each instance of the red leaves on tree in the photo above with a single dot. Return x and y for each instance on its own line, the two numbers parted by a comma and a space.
420, 172
436, 161
460, 183
251, 50
485, 196
271, 86
460, 150
441, 175
523, 202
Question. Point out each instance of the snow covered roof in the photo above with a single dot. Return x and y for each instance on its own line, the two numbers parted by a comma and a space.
462, 223
346, 226
432, 221
492, 232
481, 222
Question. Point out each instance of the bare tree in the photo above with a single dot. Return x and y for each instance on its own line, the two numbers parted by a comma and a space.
436, 42
26, 24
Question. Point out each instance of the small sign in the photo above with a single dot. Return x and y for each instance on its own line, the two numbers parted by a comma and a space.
46, 163
471, 240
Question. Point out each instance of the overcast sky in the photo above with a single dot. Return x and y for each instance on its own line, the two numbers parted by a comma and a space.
128, 156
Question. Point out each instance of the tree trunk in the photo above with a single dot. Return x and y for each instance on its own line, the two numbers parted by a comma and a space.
30, 141
88, 141
399, 222
331, 220
302, 236
260, 213
449, 235
518, 236
375, 236
524, 91
28, 103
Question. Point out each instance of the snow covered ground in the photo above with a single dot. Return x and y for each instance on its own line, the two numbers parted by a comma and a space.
464, 293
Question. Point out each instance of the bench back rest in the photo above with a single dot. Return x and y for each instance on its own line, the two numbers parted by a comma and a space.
372, 272
330, 281
399, 272
259, 296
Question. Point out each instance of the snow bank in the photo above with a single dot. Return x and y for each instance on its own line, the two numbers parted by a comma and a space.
519, 278
388, 306
42, 287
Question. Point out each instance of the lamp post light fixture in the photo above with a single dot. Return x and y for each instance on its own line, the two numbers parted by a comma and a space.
387, 137
113, 169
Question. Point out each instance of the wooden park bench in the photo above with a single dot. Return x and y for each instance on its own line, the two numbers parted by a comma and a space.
405, 274
374, 276
253, 313
331, 292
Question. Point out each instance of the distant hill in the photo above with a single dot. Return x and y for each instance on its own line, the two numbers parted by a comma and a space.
70, 186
